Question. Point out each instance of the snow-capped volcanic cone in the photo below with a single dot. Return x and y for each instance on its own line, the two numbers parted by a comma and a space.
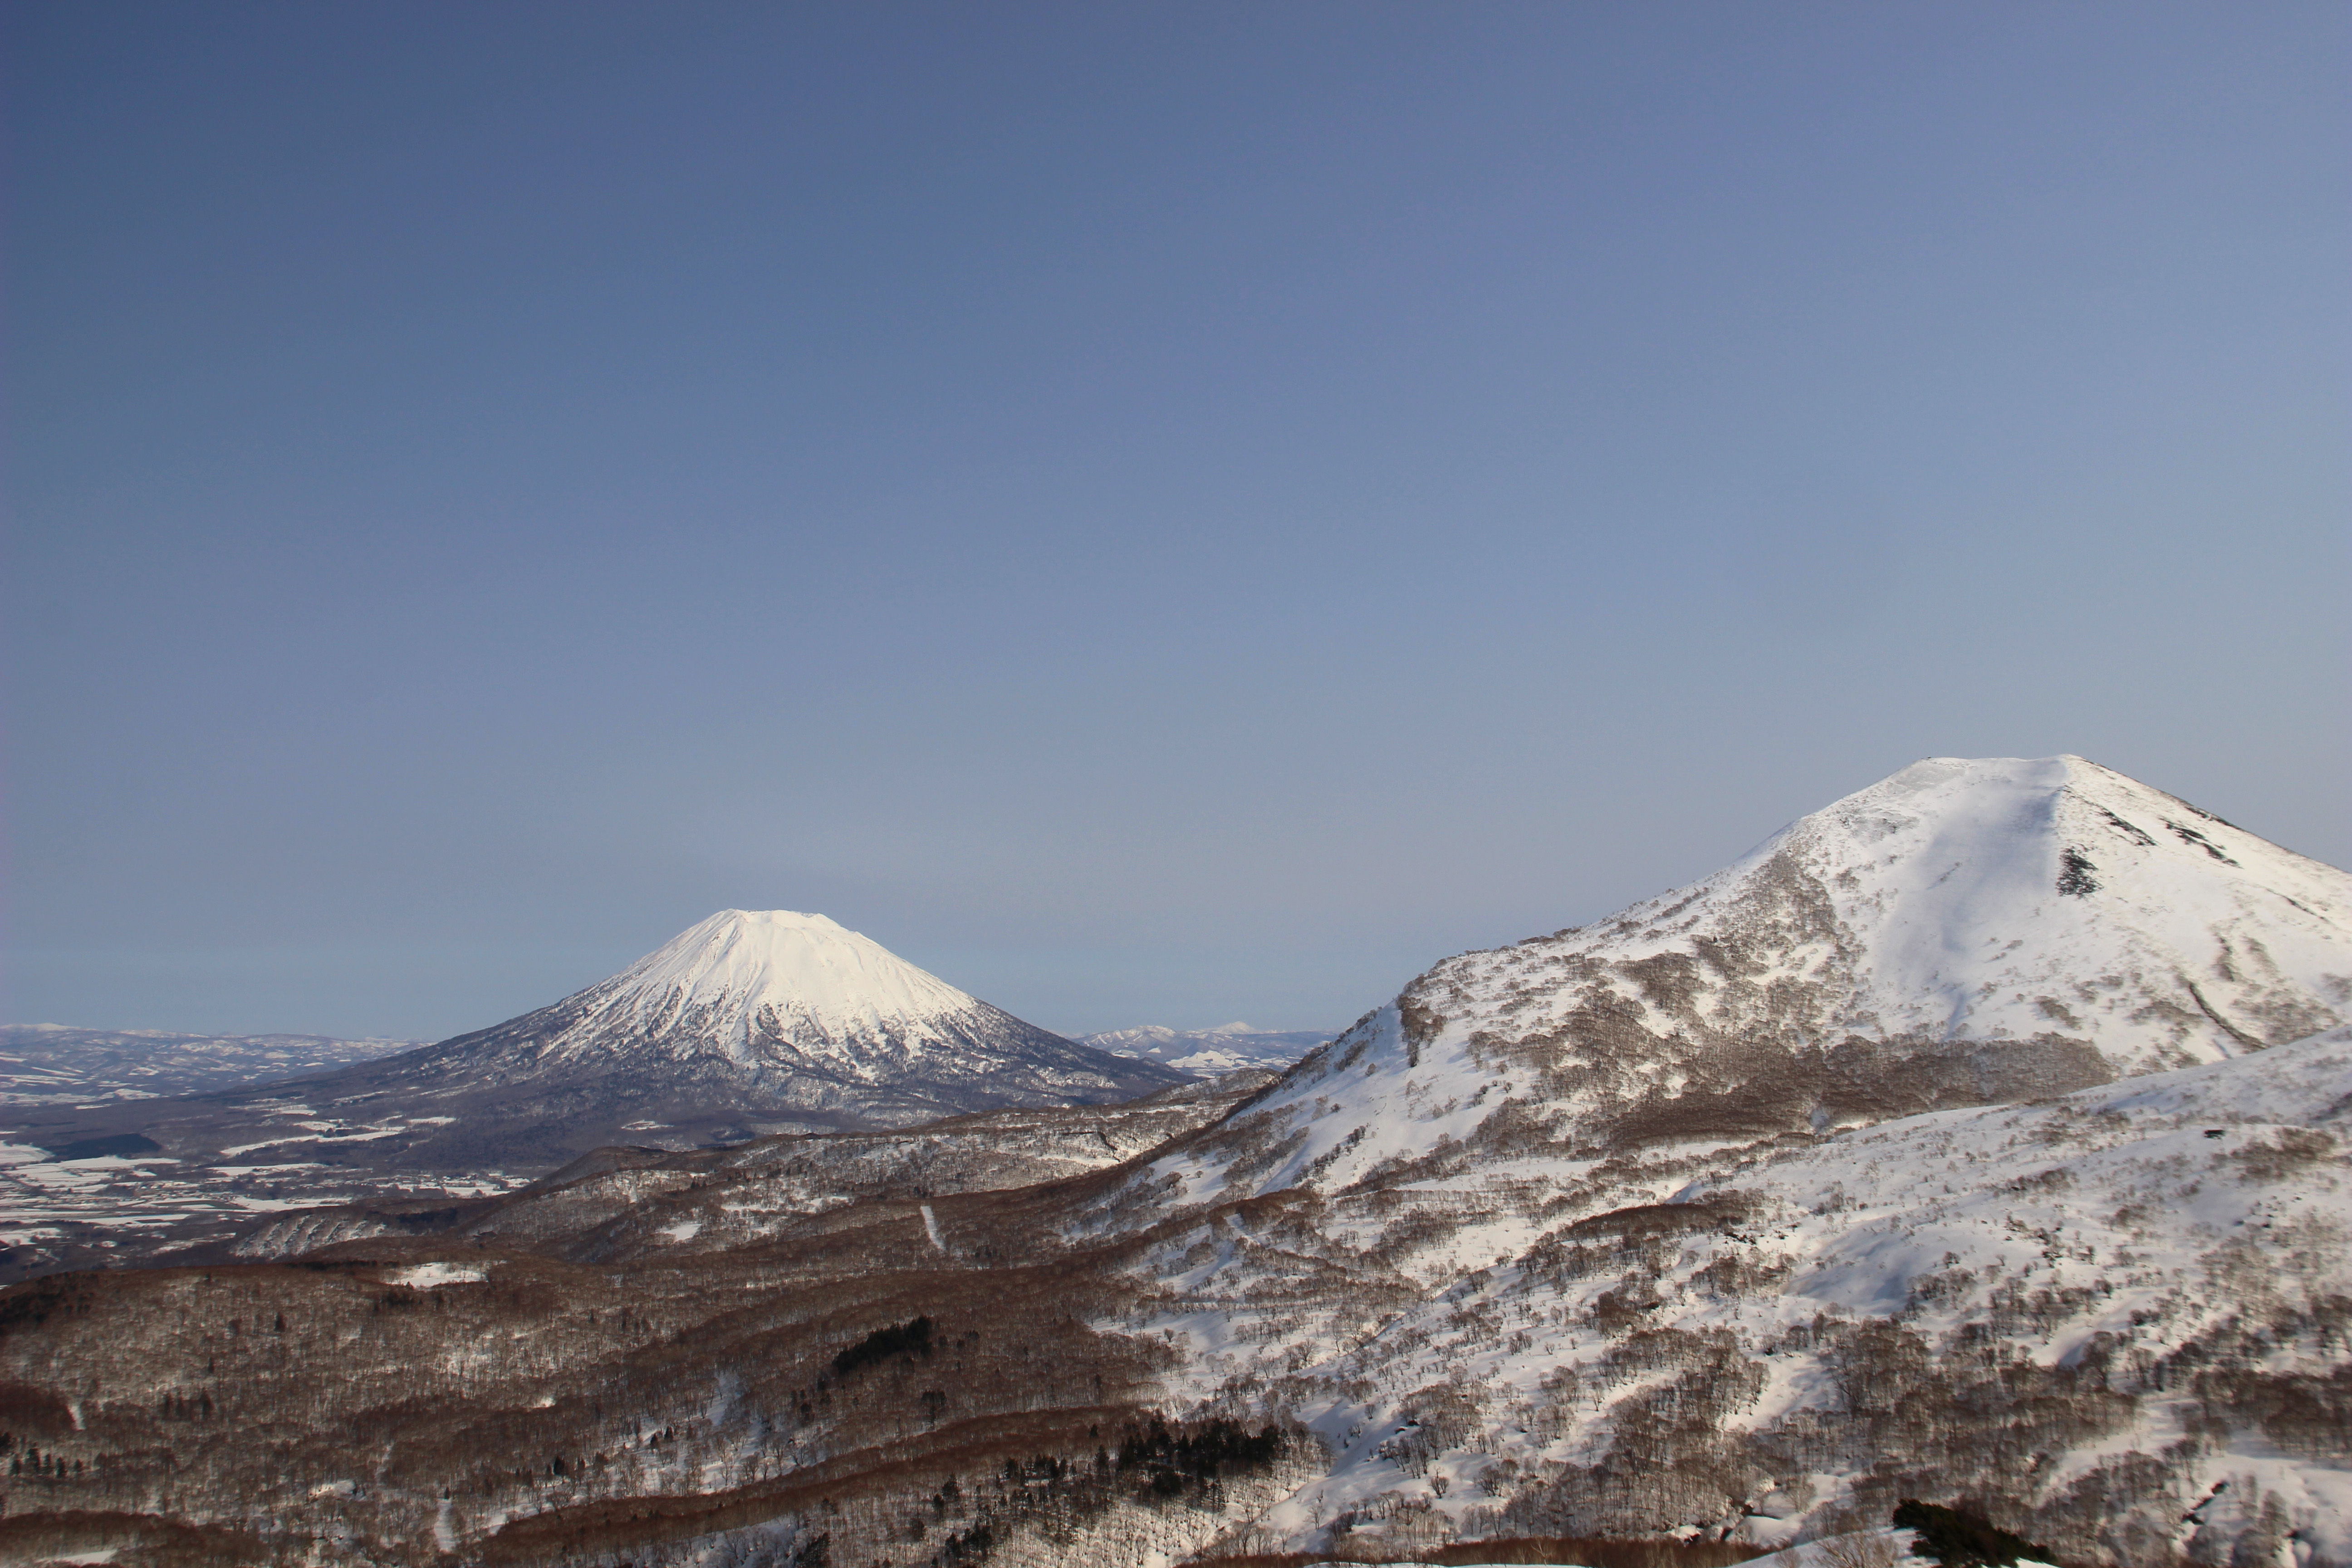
747, 1023
811, 1014
1964, 932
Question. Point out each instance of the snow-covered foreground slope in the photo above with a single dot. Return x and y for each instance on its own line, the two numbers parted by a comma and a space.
1571, 1208
2125, 1314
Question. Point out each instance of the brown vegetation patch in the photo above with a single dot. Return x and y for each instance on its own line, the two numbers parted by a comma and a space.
912, 1467
1714, 1211
138, 1540
2289, 1149
1586, 1551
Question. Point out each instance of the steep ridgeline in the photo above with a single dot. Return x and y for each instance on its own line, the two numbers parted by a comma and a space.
1965, 932
748, 1023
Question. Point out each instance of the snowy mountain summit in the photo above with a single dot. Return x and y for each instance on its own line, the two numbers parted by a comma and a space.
764, 987
2007, 899
803, 1014
1964, 932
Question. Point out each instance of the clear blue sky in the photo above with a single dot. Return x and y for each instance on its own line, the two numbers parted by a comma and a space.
1157, 513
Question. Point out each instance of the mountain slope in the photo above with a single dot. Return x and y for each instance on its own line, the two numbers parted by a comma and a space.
621, 1203
1520, 1242
1961, 933
808, 1017
2120, 1315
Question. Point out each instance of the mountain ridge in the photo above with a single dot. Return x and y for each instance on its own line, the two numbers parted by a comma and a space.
1733, 1212
1922, 944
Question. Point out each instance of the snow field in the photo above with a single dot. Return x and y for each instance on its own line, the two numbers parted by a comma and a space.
2117, 1203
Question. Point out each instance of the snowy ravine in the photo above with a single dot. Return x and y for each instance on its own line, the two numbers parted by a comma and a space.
1723, 1212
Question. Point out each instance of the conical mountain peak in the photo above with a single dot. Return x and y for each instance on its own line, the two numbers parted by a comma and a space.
760, 1019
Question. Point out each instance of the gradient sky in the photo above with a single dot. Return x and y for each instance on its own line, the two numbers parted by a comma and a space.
1156, 513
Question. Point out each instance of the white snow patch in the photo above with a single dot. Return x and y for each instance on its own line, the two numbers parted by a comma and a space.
426, 1276
1816, 1554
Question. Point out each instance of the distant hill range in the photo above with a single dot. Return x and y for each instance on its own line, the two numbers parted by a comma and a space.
56, 1064
1207, 1053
